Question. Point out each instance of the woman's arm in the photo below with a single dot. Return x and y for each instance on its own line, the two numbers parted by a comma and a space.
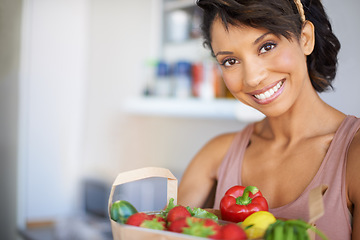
200, 176
353, 183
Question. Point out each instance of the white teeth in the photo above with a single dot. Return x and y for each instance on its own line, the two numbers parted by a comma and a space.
269, 92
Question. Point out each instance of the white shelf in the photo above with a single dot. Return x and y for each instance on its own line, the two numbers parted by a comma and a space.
192, 108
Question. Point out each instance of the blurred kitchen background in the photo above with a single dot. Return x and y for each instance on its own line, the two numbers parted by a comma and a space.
92, 88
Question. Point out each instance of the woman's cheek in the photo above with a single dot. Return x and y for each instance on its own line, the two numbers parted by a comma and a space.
232, 81
285, 62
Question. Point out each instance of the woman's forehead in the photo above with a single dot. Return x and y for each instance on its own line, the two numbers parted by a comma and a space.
221, 32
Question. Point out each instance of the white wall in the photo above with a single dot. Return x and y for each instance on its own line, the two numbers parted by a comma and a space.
345, 19
118, 44
52, 101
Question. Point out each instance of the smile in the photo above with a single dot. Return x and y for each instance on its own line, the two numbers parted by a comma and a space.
269, 93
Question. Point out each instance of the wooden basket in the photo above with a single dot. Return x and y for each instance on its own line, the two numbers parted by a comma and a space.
128, 232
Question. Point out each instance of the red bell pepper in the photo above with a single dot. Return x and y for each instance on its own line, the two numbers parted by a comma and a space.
239, 202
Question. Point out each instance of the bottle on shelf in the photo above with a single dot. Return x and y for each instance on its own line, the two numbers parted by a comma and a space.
207, 81
149, 76
178, 26
163, 82
182, 79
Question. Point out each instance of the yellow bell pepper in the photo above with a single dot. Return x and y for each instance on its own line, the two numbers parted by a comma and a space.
256, 224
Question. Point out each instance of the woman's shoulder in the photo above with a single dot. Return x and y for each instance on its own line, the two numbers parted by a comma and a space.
214, 151
218, 145
224, 140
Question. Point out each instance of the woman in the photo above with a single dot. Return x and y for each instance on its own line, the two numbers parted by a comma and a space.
275, 56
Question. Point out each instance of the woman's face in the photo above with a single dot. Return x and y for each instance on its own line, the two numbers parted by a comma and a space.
260, 69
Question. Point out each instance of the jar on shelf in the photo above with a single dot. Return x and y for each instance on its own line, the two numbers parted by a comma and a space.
178, 26
163, 85
182, 79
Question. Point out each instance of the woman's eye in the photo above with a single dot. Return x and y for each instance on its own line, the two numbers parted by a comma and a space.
229, 62
267, 47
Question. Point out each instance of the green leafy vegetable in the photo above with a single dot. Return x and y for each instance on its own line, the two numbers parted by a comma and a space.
202, 213
195, 212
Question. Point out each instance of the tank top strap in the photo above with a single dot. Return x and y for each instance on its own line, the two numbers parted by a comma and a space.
230, 167
334, 164
344, 135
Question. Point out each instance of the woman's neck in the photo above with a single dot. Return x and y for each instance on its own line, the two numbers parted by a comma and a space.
309, 117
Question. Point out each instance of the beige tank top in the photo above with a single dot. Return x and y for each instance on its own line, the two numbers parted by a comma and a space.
336, 222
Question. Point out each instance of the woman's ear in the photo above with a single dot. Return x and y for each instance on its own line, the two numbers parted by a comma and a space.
307, 40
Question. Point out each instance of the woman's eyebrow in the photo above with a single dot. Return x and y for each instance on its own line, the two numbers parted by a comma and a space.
255, 42
223, 53
261, 37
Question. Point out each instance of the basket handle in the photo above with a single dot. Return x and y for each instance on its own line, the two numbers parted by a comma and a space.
143, 173
316, 203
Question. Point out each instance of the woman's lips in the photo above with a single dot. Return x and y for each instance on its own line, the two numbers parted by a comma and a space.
269, 94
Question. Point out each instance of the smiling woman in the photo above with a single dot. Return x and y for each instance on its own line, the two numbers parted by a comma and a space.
283, 18
277, 56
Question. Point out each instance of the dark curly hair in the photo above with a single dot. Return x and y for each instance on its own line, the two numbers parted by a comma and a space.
281, 17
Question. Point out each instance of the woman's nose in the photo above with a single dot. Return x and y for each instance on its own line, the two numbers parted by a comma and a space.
254, 72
